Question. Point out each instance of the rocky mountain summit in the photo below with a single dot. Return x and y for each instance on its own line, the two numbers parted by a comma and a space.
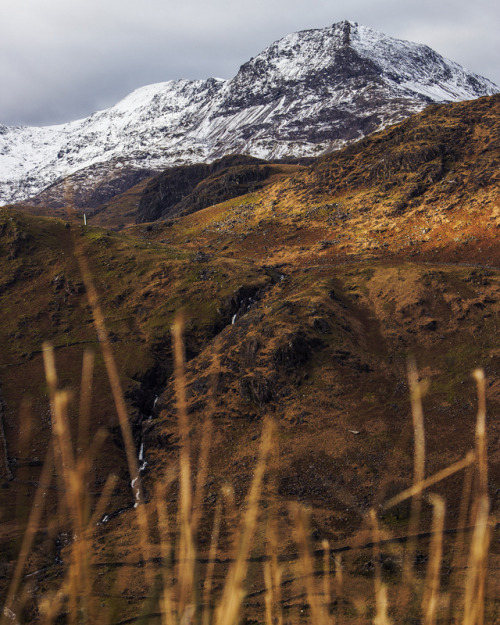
310, 93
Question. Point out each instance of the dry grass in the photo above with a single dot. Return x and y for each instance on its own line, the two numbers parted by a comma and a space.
182, 591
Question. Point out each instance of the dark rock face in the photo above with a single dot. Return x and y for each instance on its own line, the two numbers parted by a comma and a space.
256, 389
167, 190
250, 351
293, 352
186, 189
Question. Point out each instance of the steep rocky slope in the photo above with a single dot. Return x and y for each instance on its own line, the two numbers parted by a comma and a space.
190, 188
345, 235
309, 93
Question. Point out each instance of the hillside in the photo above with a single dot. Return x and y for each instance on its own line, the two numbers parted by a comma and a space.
377, 246
424, 189
303, 301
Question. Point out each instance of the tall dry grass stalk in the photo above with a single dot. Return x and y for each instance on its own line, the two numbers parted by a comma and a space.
473, 613
166, 600
228, 611
327, 592
477, 472
430, 599
339, 587
430, 481
272, 570
381, 600
478, 555
416, 394
205, 446
319, 615
209, 575
74, 478
85, 401
481, 446
186, 553
475, 584
269, 596
72, 470
465, 500
417, 391
14, 603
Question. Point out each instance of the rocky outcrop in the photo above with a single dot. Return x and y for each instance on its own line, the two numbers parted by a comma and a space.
446, 147
91, 187
186, 189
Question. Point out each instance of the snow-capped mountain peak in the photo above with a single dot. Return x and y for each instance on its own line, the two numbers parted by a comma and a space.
311, 92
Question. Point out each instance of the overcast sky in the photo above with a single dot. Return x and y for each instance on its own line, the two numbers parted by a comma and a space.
64, 59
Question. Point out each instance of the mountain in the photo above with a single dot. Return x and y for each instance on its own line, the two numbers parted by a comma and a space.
303, 300
309, 93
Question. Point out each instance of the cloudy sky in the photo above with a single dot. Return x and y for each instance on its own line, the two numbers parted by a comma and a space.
64, 59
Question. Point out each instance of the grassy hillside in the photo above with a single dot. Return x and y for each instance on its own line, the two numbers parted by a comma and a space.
140, 286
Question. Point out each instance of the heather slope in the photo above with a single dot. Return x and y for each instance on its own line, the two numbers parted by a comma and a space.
140, 286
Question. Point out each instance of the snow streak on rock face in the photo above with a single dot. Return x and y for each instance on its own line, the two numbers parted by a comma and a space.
309, 93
